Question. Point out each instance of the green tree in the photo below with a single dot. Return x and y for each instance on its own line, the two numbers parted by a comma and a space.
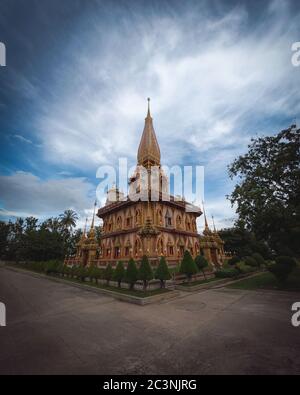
267, 194
282, 268
52, 267
119, 273
162, 272
16, 242
241, 242
201, 263
250, 261
98, 274
259, 259
71, 241
188, 266
91, 272
81, 273
234, 260
30, 224
145, 272
108, 273
68, 271
68, 219
4, 235
131, 273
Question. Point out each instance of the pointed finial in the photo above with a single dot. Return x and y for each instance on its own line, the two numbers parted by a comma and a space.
213, 223
84, 232
148, 113
205, 220
92, 226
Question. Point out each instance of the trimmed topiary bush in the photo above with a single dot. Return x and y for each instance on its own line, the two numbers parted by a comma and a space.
92, 272
282, 268
162, 272
250, 261
188, 266
119, 273
81, 273
227, 273
233, 260
201, 263
259, 259
52, 267
243, 268
145, 272
108, 273
98, 274
131, 275
36, 266
68, 271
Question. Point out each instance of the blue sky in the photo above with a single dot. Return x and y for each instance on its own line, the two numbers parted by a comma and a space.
73, 93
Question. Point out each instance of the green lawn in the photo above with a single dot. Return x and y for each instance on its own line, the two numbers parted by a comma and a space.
134, 292
267, 280
138, 293
192, 283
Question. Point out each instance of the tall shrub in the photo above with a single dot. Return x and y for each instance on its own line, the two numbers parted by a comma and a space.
145, 272
119, 273
188, 266
131, 275
282, 268
259, 259
108, 273
201, 263
162, 272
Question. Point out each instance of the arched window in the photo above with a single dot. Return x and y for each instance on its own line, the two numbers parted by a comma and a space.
105, 225
159, 217
180, 247
160, 246
137, 248
194, 225
110, 225
127, 248
187, 223
168, 219
178, 221
117, 252
129, 220
138, 217
119, 222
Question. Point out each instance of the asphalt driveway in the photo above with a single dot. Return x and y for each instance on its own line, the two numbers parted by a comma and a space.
54, 328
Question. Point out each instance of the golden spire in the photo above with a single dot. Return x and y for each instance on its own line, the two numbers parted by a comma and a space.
84, 232
148, 151
83, 236
148, 113
212, 217
205, 220
92, 226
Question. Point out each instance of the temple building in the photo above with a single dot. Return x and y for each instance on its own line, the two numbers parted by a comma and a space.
138, 225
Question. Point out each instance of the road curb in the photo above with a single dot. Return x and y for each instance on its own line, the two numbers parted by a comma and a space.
118, 296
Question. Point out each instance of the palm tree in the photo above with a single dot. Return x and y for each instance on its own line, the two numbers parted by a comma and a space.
52, 224
68, 219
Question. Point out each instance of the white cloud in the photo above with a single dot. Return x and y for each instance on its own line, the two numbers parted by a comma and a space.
24, 194
22, 138
224, 215
211, 79
214, 80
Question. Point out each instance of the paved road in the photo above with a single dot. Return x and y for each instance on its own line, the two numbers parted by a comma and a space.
56, 328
